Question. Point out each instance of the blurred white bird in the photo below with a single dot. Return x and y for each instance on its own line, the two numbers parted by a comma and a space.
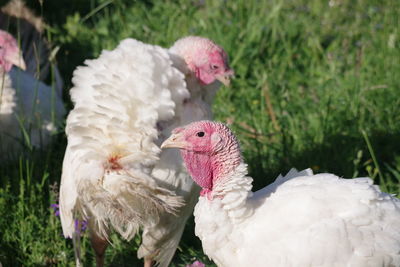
125, 104
29, 109
301, 219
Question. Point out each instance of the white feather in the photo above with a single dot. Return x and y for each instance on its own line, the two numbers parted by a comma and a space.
300, 220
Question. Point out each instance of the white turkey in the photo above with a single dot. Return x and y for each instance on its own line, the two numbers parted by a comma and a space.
126, 103
301, 219
30, 110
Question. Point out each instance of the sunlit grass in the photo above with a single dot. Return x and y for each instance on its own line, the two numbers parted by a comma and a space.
316, 86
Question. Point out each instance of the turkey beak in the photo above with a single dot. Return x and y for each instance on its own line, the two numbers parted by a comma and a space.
16, 59
225, 78
174, 141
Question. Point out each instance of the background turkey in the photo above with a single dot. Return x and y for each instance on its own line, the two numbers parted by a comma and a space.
37, 108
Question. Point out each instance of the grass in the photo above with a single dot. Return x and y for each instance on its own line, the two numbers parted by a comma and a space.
316, 86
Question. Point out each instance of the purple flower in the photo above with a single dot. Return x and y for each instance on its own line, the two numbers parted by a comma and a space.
196, 264
80, 226
56, 209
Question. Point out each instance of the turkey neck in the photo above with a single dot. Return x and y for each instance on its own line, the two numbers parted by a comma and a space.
213, 171
7, 94
217, 219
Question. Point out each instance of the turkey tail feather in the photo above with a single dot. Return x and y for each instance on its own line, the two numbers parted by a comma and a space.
140, 201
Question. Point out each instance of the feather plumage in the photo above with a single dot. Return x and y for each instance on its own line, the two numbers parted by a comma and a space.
302, 220
111, 137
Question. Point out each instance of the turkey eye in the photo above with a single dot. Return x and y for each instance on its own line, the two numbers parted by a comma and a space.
200, 134
214, 67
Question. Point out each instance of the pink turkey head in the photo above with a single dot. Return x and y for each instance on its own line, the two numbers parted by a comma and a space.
9, 52
209, 149
197, 137
207, 60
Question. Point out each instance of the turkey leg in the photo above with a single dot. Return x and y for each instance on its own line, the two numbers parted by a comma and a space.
99, 244
148, 262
